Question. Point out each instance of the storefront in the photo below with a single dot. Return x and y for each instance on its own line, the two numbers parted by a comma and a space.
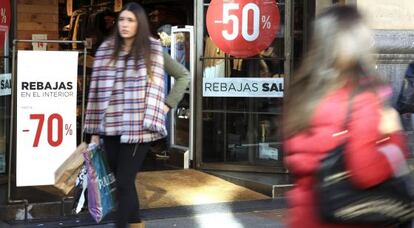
230, 117
222, 130
219, 131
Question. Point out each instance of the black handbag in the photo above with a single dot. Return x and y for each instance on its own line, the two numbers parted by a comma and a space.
391, 202
405, 102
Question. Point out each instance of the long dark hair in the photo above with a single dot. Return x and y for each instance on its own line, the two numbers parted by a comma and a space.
339, 31
141, 47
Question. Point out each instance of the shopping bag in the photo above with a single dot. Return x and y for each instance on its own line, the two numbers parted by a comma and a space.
66, 174
80, 193
101, 183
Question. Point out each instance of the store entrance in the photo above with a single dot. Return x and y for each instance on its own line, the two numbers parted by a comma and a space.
94, 20
176, 34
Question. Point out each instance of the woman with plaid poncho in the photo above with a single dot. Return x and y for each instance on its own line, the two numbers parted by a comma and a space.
126, 104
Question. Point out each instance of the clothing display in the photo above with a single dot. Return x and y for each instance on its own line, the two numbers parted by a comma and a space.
94, 22
164, 32
180, 48
213, 67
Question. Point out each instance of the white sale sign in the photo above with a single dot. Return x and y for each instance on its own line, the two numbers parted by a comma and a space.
46, 114
243, 87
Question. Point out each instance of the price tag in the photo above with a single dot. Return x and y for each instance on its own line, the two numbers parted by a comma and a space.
242, 28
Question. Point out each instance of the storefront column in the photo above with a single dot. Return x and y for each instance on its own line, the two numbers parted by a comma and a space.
289, 6
199, 39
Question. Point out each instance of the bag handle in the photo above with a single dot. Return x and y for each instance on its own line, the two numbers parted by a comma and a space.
349, 109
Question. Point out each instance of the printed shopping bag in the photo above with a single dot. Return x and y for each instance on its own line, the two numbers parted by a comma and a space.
80, 194
66, 174
101, 183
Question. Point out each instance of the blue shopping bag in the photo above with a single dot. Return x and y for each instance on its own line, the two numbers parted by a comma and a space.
101, 183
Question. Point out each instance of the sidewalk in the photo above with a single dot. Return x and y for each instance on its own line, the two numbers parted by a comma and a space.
260, 219
174, 198
256, 213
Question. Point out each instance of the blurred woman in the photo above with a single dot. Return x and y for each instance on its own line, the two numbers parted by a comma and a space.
338, 64
126, 103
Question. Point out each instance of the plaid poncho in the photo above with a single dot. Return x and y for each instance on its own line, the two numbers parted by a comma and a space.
140, 109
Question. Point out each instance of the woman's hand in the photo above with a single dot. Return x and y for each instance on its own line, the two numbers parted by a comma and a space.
390, 121
166, 109
95, 139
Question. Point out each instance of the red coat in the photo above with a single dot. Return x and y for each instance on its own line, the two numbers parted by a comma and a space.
304, 150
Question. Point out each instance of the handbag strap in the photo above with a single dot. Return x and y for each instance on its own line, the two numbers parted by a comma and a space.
349, 109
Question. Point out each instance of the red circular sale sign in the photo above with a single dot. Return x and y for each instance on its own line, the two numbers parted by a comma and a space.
243, 28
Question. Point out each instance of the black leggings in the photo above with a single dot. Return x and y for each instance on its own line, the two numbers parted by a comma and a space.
125, 160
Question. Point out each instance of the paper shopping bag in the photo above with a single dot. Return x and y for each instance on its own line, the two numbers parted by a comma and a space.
66, 174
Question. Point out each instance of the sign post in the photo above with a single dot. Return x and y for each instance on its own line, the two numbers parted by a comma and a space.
242, 28
46, 114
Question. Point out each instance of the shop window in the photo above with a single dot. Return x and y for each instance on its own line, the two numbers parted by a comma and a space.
244, 130
5, 97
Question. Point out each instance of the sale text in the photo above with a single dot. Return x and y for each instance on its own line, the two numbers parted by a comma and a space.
243, 87
47, 89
